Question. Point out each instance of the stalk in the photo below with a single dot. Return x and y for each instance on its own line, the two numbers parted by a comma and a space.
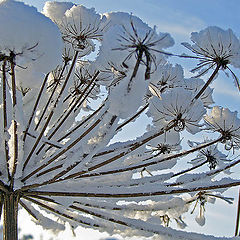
15, 137
10, 220
237, 233
207, 83
4, 80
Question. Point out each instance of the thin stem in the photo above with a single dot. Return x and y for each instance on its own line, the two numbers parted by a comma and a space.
64, 84
35, 107
143, 165
211, 173
132, 118
133, 147
99, 215
79, 125
60, 153
189, 169
37, 141
4, 81
208, 82
60, 213
136, 194
50, 143
15, 137
72, 108
51, 113
28, 210
75, 164
238, 217
51, 96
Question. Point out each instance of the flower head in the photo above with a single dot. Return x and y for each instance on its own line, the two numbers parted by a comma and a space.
82, 80
165, 77
210, 155
227, 123
215, 47
176, 106
132, 39
78, 24
31, 41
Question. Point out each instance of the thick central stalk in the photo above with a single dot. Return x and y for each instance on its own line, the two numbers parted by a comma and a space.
10, 221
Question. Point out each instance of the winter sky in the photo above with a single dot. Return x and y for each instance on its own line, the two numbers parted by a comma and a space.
180, 18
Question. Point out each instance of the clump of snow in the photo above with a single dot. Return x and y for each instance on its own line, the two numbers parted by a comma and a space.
200, 219
32, 38
126, 97
56, 10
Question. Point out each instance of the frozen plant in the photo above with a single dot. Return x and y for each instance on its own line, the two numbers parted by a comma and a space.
61, 112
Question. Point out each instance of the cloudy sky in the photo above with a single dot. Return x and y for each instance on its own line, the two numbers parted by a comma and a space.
180, 18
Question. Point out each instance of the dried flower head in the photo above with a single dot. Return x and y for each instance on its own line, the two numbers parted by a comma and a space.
134, 40
209, 155
177, 106
215, 47
227, 123
80, 26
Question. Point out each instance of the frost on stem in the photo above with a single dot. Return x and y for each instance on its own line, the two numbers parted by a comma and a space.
60, 154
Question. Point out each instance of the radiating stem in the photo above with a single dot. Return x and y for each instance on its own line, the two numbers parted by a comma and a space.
207, 83
142, 165
37, 141
51, 96
35, 107
4, 81
79, 125
27, 209
51, 114
72, 108
15, 137
61, 152
167, 191
189, 169
67, 216
132, 118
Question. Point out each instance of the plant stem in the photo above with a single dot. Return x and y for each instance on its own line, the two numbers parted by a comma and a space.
4, 80
133, 117
15, 137
134, 194
237, 233
10, 221
35, 107
207, 83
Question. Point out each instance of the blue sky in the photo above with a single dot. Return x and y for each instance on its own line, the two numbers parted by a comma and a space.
180, 18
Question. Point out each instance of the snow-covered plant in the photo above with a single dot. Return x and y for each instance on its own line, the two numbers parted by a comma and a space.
71, 80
